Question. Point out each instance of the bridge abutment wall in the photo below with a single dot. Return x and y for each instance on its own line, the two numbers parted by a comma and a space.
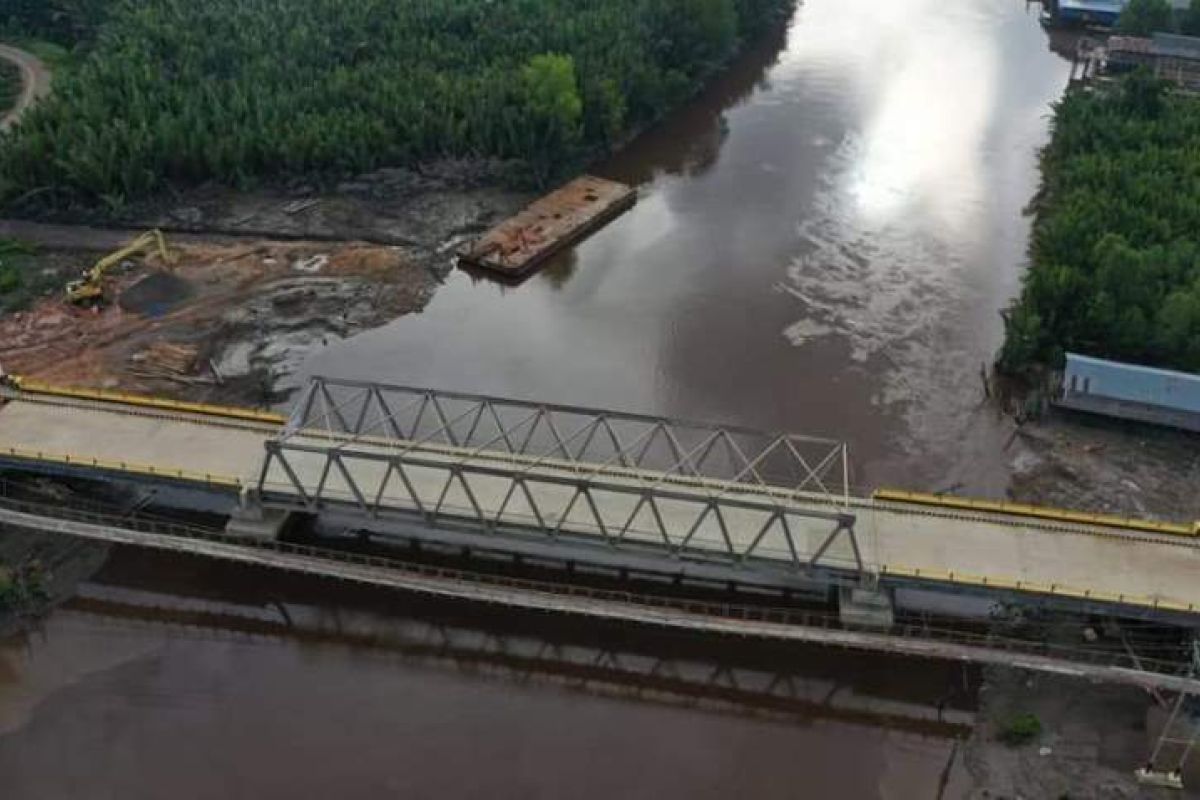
867, 607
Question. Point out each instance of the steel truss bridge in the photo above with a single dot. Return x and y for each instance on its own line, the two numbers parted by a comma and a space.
634, 492
507, 467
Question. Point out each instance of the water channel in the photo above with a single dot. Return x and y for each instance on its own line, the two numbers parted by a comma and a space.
821, 244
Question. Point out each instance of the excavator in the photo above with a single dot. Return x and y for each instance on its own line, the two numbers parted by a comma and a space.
89, 289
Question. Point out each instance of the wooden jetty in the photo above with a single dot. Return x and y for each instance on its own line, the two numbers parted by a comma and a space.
561, 218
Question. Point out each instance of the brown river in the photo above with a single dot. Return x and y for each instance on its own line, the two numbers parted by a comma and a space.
822, 242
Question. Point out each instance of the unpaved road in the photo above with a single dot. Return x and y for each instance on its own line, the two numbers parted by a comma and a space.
35, 82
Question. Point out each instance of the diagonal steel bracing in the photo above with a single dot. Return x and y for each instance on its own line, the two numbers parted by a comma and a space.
687, 489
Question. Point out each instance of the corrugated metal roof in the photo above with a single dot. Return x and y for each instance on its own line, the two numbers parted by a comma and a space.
1133, 383
1176, 46
1130, 44
1094, 6
1107, 6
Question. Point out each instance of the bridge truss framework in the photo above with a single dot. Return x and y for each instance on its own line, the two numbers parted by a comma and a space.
513, 466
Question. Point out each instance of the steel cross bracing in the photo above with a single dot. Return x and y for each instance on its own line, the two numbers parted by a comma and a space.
691, 490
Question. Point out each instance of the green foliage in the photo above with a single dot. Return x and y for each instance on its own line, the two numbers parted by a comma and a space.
22, 588
1116, 263
12, 261
10, 278
1142, 94
1021, 729
1189, 22
1144, 17
10, 85
63, 21
551, 105
177, 92
56, 56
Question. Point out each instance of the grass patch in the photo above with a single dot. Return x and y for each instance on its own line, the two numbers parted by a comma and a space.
54, 56
16, 261
1021, 729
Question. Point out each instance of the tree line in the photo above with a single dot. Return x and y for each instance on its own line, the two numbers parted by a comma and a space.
64, 22
178, 92
1115, 266
1146, 17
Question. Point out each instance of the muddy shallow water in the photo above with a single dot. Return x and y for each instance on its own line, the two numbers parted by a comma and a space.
155, 682
822, 242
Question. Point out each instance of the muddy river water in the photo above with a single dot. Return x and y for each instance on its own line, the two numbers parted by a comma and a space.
822, 242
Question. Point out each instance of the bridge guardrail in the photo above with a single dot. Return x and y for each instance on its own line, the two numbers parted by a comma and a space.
144, 401
1034, 512
132, 468
785, 616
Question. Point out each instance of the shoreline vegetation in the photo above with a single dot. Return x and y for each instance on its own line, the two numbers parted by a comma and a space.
1115, 264
10, 85
173, 93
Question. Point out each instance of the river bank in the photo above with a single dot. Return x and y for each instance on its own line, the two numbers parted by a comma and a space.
821, 245
263, 281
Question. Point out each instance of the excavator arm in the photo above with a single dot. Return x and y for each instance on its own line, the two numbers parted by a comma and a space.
90, 287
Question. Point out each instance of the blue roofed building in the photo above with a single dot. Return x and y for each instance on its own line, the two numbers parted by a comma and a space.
1129, 391
1090, 12
1097, 12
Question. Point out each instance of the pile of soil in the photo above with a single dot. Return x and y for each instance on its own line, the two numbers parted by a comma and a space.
155, 294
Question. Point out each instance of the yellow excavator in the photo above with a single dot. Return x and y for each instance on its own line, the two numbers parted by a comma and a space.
89, 289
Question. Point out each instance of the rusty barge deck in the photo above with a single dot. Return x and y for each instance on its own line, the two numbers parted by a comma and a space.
523, 242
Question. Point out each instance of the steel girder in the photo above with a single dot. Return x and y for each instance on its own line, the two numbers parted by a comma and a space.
626, 480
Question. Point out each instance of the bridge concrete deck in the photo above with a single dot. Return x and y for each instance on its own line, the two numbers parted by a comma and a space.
135, 441
976, 549
361, 570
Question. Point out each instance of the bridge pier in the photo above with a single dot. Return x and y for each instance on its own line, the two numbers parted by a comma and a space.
866, 606
250, 520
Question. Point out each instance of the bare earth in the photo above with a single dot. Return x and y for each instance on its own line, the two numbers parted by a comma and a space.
223, 322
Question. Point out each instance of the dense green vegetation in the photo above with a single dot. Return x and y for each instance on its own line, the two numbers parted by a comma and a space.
65, 22
178, 91
10, 85
1145, 17
1115, 258
1189, 20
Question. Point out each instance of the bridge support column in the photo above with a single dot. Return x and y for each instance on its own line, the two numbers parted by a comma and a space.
869, 607
250, 520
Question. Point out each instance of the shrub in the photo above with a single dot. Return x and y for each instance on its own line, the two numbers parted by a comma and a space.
1021, 729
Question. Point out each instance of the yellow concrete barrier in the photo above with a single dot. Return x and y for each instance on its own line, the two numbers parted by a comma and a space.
1056, 589
143, 401
1036, 512
190, 476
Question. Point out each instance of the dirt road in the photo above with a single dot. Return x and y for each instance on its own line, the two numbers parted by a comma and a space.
35, 80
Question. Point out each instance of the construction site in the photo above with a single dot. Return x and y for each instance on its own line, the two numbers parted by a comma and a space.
220, 319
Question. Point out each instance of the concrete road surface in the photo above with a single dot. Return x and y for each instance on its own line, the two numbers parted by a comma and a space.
991, 550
